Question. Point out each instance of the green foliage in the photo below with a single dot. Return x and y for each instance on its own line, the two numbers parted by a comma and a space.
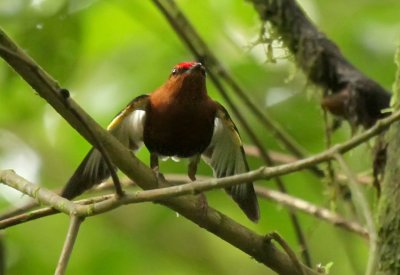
108, 52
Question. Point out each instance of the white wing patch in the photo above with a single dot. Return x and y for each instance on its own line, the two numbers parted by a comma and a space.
136, 120
225, 154
128, 128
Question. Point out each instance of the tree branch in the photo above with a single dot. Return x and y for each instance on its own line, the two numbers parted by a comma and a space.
309, 208
10, 178
281, 198
45, 211
354, 96
68, 245
363, 210
282, 158
276, 237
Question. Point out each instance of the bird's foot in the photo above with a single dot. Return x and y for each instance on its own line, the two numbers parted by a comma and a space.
160, 177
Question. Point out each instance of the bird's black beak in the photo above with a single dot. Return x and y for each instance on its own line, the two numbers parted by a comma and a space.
198, 67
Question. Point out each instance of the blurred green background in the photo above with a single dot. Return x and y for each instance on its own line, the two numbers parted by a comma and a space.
108, 52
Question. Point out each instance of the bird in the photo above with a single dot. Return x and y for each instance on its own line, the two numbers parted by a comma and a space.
178, 120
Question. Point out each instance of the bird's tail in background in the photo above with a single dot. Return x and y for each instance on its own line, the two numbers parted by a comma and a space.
92, 171
245, 196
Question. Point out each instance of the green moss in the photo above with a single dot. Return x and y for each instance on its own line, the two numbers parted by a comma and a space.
389, 207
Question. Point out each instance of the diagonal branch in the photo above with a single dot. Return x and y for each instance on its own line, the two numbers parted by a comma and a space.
353, 96
13, 53
42, 195
44, 212
143, 196
309, 208
281, 198
276, 237
13, 216
68, 245
363, 210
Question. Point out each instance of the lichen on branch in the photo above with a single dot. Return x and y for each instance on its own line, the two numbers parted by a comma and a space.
349, 94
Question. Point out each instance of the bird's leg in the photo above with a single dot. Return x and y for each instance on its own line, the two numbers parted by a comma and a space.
154, 162
192, 169
155, 167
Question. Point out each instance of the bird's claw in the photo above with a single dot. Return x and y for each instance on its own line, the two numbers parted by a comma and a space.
160, 177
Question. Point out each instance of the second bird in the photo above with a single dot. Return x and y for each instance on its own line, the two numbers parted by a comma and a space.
177, 120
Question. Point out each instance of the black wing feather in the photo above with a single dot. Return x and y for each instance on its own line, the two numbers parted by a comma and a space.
226, 156
127, 127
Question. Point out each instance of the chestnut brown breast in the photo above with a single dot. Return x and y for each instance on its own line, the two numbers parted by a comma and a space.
181, 128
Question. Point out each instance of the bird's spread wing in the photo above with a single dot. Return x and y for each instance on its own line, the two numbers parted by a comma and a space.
127, 127
226, 156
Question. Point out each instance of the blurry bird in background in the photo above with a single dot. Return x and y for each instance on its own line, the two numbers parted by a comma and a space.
177, 120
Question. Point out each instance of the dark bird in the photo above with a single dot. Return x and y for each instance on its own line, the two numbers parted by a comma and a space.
178, 120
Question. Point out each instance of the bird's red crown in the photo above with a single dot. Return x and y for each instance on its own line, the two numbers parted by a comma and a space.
185, 65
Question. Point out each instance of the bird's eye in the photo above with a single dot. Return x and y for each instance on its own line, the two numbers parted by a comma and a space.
174, 71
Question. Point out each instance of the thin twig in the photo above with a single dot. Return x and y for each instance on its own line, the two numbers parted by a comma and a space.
328, 143
281, 198
277, 157
41, 194
26, 217
312, 209
364, 211
68, 245
282, 158
46, 211
251, 150
14, 211
276, 237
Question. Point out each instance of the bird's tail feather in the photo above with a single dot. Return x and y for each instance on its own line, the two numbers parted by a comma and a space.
245, 196
92, 171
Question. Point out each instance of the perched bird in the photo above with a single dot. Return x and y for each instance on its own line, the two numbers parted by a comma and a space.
177, 120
